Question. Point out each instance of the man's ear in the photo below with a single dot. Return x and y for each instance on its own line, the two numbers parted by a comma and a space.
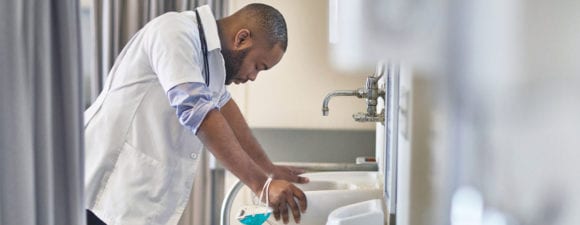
243, 39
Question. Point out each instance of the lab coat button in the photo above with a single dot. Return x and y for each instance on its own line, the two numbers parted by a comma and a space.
193, 156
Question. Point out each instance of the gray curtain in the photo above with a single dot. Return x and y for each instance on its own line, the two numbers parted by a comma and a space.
41, 160
115, 22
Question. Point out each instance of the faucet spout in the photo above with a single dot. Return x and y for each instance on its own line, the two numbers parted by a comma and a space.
360, 93
371, 92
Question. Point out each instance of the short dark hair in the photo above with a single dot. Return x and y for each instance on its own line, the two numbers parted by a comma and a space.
271, 21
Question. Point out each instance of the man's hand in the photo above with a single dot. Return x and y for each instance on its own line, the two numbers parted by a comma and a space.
284, 194
289, 173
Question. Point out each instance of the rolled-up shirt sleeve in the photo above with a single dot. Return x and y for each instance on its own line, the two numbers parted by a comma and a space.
224, 98
192, 102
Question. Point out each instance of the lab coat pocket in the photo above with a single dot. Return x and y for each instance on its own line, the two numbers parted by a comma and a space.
138, 186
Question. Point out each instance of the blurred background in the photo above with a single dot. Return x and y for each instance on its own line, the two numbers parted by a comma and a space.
483, 128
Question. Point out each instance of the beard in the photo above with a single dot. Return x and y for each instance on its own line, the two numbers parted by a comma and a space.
233, 61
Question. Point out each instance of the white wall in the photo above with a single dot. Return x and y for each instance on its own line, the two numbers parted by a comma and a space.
290, 94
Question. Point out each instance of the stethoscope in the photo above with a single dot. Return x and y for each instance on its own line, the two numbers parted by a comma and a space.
203, 48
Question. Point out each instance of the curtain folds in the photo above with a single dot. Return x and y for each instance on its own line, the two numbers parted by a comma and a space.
41, 160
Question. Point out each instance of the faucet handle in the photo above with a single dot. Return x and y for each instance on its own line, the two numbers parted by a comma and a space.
365, 117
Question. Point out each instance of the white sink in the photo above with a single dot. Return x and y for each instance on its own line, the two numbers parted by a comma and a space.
369, 212
325, 192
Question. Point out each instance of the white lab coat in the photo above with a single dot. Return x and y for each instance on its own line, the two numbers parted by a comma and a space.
140, 161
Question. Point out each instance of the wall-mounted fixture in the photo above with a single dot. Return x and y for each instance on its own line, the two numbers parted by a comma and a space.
371, 92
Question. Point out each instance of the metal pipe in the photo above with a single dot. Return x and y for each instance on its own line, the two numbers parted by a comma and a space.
380, 70
228, 202
360, 93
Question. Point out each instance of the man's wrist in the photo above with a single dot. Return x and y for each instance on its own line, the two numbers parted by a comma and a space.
268, 167
259, 184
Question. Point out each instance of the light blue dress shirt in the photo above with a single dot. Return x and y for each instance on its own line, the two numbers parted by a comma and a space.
192, 102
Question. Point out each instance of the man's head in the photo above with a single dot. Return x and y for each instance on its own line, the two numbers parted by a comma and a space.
253, 39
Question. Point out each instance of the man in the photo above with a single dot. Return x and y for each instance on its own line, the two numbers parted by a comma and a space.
141, 157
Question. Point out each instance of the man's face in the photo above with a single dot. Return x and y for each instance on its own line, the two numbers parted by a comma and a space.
243, 65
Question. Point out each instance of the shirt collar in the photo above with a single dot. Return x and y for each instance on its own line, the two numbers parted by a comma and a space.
209, 27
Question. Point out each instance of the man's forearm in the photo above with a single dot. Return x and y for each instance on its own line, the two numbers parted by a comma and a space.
218, 137
244, 135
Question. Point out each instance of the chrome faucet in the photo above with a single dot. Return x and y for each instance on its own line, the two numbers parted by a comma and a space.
359, 93
370, 91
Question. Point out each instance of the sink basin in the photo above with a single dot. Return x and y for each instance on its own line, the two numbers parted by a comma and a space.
368, 212
321, 185
325, 192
